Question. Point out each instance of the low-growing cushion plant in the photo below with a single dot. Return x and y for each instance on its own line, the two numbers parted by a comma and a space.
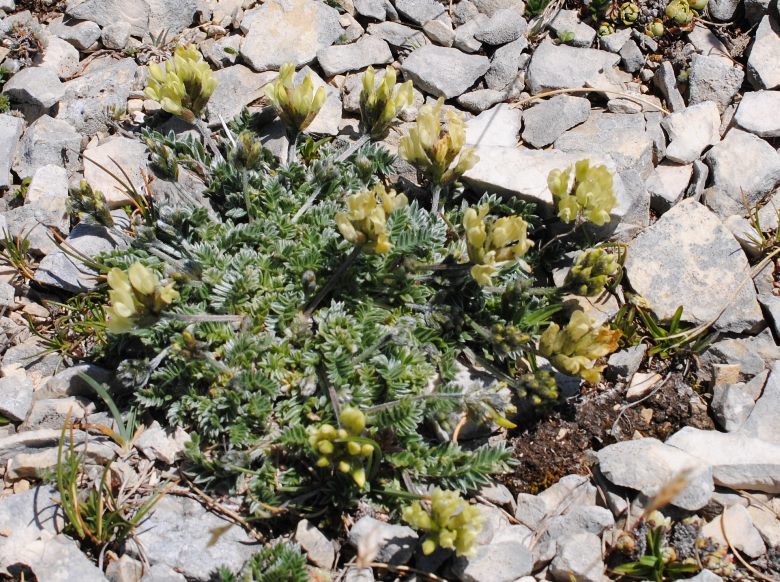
324, 334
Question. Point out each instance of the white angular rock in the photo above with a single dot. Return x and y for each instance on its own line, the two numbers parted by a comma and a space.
396, 543
11, 129
713, 79
733, 403
129, 154
762, 422
317, 546
353, 57
505, 64
464, 35
546, 122
108, 12
648, 465
763, 65
61, 56
615, 41
175, 518
159, 444
568, 21
568, 493
578, 558
420, 11
707, 44
16, 396
688, 258
560, 67
666, 80
39, 86
739, 530
397, 34
282, 31
730, 181
81, 34
171, 16
498, 126
237, 87
47, 142
667, 185
440, 32
502, 561
503, 27
116, 36
443, 71
737, 460
480, 100
758, 113
692, 130
48, 190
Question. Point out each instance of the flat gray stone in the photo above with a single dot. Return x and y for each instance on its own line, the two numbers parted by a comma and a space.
464, 35
625, 363
16, 395
648, 465
490, 7
691, 131
498, 126
503, 27
317, 546
221, 52
667, 185
47, 142
11, 130
171, 16
751, 353
181, 518
688, 258
420, 11
568, 21
481, 99
771, 304
503, 561
396, 543
615, 41
397, 35
69, 382
722, 9
440, 32
631, 57
730, 181
707, 43
282, 31
353, 57
738, 461
39, 86
666, 81
763, 65
443, 71
82, 34
371, 9
64, 272
35, 223
116, 36
62, 57
237, 87
758, 113
561, 67
713, 79
762, 422
129, 154
105, 84
732, 403
578, 558
547, 121
740, 530
505, 64
107, 12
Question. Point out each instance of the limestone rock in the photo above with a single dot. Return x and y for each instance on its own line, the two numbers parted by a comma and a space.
47, 142
578, 558
757, 113
666, 80
713, 79
546, 122
352, 57
62, 57
763, 65
443, 71
647, 465
667, 185
503, 561
738, 461
11, 129
505, 64
397, 35
16, 396
82, 34
237, 87
687, 258
39, 86
691, 131
560, 66
739, 529
730, 181
498, 126
762, 422
568, 21
396, 543
282, 31
181, 518
420, 11
504, 26
107, 12
316, 545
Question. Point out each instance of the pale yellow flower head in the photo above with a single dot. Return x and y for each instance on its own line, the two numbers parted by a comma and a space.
296, 104
133, 294
591, 198
381, 102
438, 152
184, 86
365, 222
493, 243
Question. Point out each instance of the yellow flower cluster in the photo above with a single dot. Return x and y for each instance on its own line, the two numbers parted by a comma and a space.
184, 86
343, 447
591, 198
380, 103
438, 153
492, 244
591, 271
365, 222
575, 348
296, 105
93, 202
451, 523
135, 293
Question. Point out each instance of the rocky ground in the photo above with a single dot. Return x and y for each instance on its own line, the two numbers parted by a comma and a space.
690, 124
